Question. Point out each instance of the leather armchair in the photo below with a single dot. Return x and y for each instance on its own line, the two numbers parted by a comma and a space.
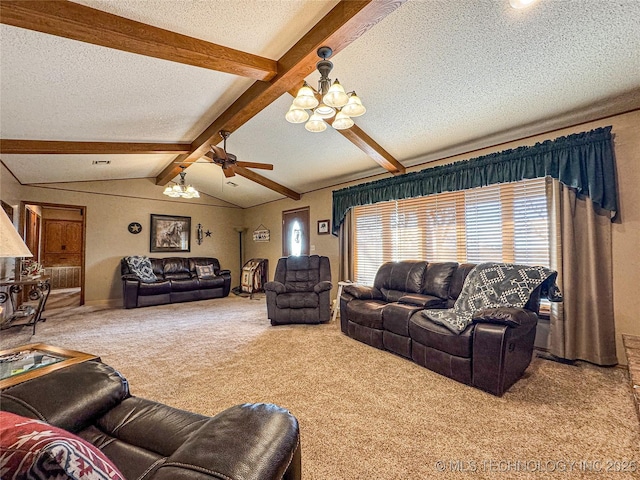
152, 441
300, 291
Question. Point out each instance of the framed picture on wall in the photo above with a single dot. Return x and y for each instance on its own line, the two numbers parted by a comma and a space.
170, 233
323, 227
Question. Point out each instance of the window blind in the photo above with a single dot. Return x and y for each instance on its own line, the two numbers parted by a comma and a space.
501, 223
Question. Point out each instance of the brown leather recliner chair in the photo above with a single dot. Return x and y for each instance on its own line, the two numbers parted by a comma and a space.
300, 290
151, 441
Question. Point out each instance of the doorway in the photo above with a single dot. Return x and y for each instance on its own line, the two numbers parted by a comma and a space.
295, 232
55, 235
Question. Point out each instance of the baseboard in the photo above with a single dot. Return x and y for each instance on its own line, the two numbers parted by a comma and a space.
111, 303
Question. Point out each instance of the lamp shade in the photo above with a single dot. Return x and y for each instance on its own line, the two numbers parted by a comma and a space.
342, 121
316, 124
296, 115
354, 108
11, 244
336, 97
306, 98
324, 111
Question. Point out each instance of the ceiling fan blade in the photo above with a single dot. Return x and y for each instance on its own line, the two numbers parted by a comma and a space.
219, 152
265, 182
228, 171
263, 166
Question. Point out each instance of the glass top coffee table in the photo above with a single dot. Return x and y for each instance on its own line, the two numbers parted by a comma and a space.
23, 363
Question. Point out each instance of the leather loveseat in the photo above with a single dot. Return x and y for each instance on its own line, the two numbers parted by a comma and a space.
177, 281
147, 440
491, 354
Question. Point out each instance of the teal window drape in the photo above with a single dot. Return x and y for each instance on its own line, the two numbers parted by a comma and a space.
583, 161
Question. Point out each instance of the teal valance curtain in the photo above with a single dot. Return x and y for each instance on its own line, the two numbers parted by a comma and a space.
583, 161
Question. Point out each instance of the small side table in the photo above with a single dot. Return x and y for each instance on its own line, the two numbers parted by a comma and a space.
336, 308
23, 314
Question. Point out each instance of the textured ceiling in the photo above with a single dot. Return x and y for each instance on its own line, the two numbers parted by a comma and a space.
436, 76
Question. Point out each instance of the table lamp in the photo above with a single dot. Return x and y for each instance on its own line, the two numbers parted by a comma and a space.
11, 244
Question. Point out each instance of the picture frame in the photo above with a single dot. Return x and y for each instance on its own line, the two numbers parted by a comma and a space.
323, 227
170, 233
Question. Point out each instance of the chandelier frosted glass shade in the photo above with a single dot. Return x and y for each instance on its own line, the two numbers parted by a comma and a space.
342, 121
316, 124
354, 107
306, 98
330, 100
336, 97
296, 115
324, 111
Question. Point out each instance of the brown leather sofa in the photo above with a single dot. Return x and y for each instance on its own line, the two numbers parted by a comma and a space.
177, 282
491, 354
147, 440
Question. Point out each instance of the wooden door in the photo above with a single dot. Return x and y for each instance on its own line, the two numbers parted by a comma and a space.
62, 243
295, 232
32, 234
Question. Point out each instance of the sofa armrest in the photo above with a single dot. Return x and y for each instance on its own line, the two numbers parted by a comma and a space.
222, 273
362, 293
424, 301
276, 287
130, 276
322, 286
510, 316
246, 441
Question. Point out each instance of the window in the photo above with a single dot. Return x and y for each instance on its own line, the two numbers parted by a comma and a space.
496, 223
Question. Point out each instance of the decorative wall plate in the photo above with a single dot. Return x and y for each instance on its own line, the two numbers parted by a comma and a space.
135, 228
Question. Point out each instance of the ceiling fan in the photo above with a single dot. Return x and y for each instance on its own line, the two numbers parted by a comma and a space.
228, 161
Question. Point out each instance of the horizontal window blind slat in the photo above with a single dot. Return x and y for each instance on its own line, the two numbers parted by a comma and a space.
505, 223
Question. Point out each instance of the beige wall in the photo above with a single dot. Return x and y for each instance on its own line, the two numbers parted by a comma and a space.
626, 230
111, 206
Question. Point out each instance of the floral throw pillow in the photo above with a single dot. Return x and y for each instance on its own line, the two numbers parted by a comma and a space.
141, 266
36, 450
205, 271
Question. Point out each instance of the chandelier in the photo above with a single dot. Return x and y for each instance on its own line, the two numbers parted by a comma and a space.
330, 101
181, 189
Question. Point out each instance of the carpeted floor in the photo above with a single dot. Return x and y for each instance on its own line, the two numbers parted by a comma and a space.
364, 413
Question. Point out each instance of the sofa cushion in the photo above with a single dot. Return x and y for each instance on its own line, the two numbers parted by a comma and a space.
367, 313
33, 449
208, 283
297, 300
395, 279
156, 288
302, 273
430, 334
205, 271
437, 279
395, 317
184, 285
141, 266
457, 282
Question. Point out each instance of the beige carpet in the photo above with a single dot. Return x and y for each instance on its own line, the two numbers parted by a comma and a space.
364, 413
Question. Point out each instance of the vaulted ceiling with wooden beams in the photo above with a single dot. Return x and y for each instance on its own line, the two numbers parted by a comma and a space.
149, 84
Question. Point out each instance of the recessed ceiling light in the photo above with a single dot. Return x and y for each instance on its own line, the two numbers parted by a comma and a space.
522, 3
101, 162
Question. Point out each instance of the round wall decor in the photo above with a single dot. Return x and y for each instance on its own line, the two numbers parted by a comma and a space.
134, 227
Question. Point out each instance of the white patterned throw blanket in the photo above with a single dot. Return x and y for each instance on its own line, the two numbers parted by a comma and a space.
491, 285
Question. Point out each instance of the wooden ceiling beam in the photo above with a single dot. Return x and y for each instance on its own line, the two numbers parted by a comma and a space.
51, 147
79, 22
265, 182
345, 23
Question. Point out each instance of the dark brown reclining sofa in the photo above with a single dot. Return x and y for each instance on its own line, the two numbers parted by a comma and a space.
491, 354
147, 440
177, 281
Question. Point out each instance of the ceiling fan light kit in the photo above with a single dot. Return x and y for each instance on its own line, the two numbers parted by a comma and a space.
331, 100
181, 189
